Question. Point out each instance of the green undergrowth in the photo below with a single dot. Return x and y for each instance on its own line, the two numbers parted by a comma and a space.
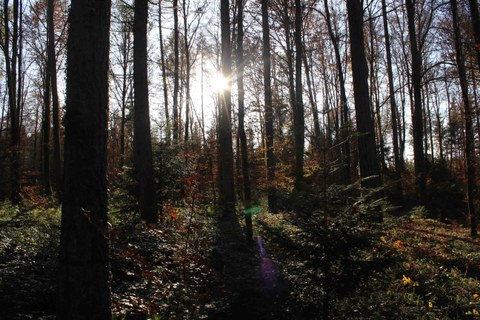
404, 268
28, 246
335, 261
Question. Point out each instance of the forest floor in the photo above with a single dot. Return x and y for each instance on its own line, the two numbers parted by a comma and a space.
194, 266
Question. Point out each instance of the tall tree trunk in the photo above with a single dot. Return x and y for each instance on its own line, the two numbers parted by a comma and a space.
439, 126
83, 281
187, 71
476, 26
164, 74
298, 112
469, 135
241, 125
374, 93
343, 96
313, 102
52, 65
126, 86
35, 138
289, 54
369, 169
241, 118
225, 151
47, 188
393, 102
14, 110
475, 100
123, 116
176, 73
142, 141
267, 82
418, 151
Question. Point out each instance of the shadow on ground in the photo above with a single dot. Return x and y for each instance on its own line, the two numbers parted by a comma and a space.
248, 284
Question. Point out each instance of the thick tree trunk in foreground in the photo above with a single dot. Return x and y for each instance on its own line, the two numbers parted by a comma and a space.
142, 141
298, 112
225, 151
83, 283
366, 131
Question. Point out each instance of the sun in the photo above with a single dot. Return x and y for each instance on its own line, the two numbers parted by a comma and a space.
219, 83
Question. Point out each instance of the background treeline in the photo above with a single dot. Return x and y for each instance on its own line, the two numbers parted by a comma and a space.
296, 116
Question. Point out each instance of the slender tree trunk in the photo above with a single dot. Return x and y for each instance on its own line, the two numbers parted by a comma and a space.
123, 119
439, 126
374, 92
142, 141
83, 281
52, 65
429, 118
343, 96
298, 112
14, 112
267, 82
393, 102
241, 122
35, 138
469, 135
47, 188
476, 26
475, 101
187, 71
176, 73
225, 151
369, 169
313, 104
289, 55
127, 92
164, 74
418, 151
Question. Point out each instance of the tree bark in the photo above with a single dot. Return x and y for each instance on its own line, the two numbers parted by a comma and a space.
164, 74
343, 96
309, 74
52, 65
83, 283
476, 26
142, 141
369, 169
14, 110
469, 135
187, 71
267, 82
225, 151
298, 112
241, 122
418, 151
176, 73
47, 188
393, 102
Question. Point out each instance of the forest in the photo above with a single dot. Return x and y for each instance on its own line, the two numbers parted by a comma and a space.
239, 159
